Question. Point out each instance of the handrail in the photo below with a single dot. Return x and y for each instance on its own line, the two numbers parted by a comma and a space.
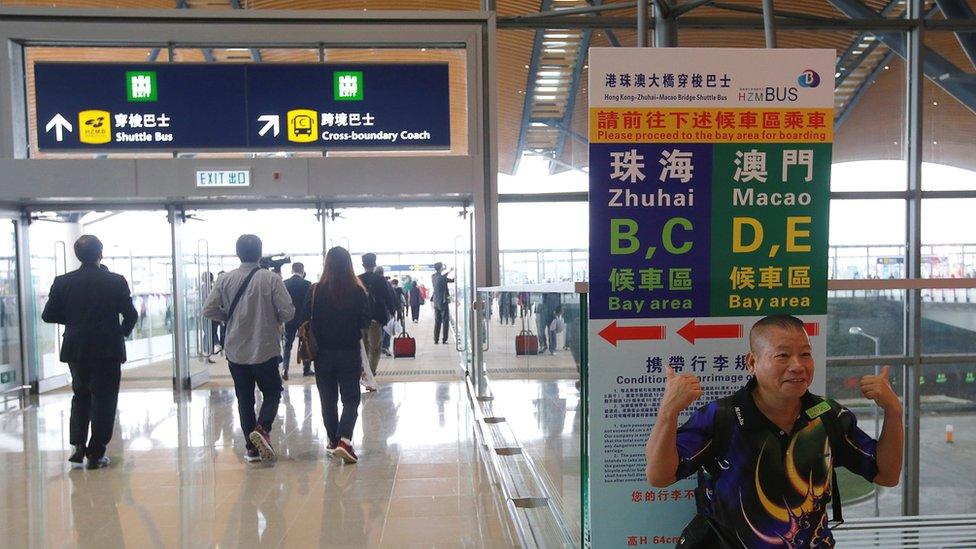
552, 287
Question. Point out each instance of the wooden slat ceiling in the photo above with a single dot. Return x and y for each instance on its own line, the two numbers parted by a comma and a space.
950, 128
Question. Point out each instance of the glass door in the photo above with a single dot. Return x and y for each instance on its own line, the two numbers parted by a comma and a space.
49, 235
11, 368
207, 242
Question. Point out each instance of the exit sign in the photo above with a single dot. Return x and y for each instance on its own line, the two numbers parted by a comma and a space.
223, 178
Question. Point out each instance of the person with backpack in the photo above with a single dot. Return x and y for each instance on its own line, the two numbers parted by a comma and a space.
380, 307
339, 311
766, 455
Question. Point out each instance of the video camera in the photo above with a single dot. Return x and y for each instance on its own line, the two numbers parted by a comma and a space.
274, 262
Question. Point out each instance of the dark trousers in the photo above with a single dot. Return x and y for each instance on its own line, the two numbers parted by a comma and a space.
95, 385
415, 312
289, 343
265, 375
337, 373
442, 319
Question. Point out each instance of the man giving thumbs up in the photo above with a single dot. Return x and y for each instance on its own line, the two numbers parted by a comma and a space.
766, 450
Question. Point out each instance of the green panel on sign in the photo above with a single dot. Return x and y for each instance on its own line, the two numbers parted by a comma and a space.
140, 86
347, 86
769, 229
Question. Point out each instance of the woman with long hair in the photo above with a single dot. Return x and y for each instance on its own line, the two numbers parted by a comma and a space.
338, 309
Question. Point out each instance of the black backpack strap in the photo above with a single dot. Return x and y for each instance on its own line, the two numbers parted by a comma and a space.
721, 428
237, 299
835, 436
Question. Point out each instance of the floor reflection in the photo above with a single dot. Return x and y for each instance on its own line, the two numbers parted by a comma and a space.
178, 478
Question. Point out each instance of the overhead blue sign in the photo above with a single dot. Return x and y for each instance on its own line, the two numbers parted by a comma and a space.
181, 106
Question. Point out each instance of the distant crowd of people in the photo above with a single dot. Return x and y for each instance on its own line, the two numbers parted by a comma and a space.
256, 320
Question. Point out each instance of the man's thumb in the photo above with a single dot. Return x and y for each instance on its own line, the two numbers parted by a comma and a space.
670, 372
884, 371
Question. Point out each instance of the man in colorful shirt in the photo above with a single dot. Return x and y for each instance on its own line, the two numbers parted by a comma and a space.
770, 485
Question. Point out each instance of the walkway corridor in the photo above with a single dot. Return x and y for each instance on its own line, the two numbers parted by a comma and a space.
178, 478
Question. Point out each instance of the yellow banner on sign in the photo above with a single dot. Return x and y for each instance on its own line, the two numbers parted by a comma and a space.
673, 125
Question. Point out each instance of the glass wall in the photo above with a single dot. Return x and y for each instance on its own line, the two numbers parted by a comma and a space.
11, 369
872, 215
142, 257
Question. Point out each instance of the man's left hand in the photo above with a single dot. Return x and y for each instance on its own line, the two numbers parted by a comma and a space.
878, 389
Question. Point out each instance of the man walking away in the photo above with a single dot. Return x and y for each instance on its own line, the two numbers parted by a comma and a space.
88, 301
440, 300
380, 305
298, 289
253, 303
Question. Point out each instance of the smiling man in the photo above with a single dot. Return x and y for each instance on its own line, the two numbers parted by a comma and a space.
766, 453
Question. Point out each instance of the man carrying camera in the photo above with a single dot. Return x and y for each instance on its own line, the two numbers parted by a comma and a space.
253, 303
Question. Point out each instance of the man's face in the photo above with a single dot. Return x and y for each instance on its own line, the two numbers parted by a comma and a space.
783, 362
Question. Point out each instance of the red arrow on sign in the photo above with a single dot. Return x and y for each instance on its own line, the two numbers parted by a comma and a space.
614, 333
692, 331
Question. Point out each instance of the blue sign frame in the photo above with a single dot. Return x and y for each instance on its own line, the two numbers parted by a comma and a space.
188, 106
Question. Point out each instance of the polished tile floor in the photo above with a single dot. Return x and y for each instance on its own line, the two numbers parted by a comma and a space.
178, 480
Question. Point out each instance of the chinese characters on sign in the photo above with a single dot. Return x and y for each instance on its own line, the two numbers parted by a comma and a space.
709, 188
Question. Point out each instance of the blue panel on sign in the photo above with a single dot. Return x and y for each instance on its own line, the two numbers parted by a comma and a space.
149, 106
111, 106
350, 106
649, 230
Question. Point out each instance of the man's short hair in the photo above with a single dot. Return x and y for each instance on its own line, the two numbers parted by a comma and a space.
395, 282
762, 326
88, 249
438, 266
298, 267
369, 260
249, 248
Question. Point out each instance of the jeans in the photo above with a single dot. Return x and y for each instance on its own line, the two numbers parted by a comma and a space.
337, 373
372, 341
95, 385
286, 358
442, 319
266, 376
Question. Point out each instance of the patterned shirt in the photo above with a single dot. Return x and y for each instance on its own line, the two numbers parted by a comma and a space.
771, 488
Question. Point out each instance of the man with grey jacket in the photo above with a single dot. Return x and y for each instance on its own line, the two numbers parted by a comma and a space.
254, 304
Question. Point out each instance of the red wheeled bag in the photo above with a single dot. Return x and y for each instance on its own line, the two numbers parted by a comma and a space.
526, 343
404, 346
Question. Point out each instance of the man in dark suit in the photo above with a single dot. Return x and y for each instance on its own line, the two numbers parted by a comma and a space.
297, 288
88, 301
441, 299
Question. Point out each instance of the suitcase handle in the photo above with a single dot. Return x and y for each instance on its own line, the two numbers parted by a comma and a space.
526, 333
403, 335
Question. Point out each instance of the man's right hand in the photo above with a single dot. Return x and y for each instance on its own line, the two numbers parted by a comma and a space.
679, 392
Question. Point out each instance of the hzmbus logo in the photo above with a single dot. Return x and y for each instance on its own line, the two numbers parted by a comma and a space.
808, 79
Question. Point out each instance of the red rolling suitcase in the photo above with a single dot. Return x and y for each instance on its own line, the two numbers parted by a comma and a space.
404, 346
526, 343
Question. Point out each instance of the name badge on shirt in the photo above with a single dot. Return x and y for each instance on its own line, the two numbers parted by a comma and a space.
818, 410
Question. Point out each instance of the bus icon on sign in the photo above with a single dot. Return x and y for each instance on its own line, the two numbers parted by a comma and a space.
303, 125
94, 127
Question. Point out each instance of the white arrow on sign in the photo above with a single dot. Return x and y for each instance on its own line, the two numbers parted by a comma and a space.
272, 122
59, 123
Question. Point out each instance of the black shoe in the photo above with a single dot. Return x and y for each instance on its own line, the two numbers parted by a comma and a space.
444, 342
99, 463
435, 342
78, 456
307, 373
284, 376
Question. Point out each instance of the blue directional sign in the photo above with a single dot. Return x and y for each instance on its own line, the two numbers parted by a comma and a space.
182, 106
